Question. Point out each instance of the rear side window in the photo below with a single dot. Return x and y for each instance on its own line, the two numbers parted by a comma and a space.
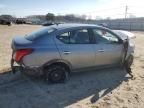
64, 37
39, 33
75, 37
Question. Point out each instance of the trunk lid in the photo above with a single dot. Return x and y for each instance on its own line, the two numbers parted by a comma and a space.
20, 42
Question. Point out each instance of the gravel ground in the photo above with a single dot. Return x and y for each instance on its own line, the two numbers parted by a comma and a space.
108, 88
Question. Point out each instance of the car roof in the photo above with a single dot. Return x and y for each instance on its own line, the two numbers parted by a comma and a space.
66, 26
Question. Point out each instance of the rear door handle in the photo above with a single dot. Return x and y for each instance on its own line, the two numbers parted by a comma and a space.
66, 52
101, 50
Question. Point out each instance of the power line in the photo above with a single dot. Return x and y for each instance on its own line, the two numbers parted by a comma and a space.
104, 10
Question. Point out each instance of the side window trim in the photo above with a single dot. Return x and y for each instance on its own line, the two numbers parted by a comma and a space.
91, 36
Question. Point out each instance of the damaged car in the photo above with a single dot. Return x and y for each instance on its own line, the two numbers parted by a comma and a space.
58, 50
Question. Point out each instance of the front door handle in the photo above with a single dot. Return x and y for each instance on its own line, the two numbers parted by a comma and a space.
66, 52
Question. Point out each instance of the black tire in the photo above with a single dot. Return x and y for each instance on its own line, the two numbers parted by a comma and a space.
56, 74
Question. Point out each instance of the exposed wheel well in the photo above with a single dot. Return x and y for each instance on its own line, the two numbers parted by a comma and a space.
58, 63
130, 59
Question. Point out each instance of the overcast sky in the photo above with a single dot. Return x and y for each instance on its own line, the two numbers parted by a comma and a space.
93, 8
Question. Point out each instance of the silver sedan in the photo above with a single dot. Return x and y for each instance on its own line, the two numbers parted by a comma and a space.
58, 50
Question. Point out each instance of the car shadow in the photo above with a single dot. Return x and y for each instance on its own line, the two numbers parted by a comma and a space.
19, 90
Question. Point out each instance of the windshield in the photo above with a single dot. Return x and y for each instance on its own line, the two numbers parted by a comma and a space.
42, 32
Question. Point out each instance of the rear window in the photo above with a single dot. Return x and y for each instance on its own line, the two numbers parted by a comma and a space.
42, 32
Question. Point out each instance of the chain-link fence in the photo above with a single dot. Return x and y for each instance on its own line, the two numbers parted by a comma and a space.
125, 24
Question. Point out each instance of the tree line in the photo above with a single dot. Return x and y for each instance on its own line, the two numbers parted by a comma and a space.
48, 17
64, 18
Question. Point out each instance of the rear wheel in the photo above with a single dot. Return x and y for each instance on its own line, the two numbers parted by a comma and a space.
56, 74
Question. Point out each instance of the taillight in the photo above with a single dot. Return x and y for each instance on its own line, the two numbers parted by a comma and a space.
21, 53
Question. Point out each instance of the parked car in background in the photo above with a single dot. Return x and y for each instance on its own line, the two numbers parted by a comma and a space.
103, 25
48, 23
20, 21
56, 51
51, 23
5, 22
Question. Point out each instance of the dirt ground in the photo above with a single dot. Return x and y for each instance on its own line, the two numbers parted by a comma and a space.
6, 35
108, 88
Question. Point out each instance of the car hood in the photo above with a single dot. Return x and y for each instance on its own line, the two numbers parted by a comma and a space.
124, 34
20, 42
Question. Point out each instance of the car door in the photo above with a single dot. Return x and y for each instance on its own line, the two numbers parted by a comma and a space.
108, 47
75, 47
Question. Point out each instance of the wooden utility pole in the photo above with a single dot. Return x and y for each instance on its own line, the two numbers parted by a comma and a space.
126, 9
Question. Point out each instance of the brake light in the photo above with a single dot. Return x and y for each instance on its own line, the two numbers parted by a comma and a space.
21, 53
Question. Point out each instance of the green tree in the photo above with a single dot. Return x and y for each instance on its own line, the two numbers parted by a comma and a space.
50, 17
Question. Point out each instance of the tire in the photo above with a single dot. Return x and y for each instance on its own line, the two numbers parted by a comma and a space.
56, 74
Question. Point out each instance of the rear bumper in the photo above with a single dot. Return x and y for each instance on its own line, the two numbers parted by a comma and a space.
15, 66
33, 71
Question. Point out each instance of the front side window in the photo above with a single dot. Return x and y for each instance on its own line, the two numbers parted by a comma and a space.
75, 37
103, 36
